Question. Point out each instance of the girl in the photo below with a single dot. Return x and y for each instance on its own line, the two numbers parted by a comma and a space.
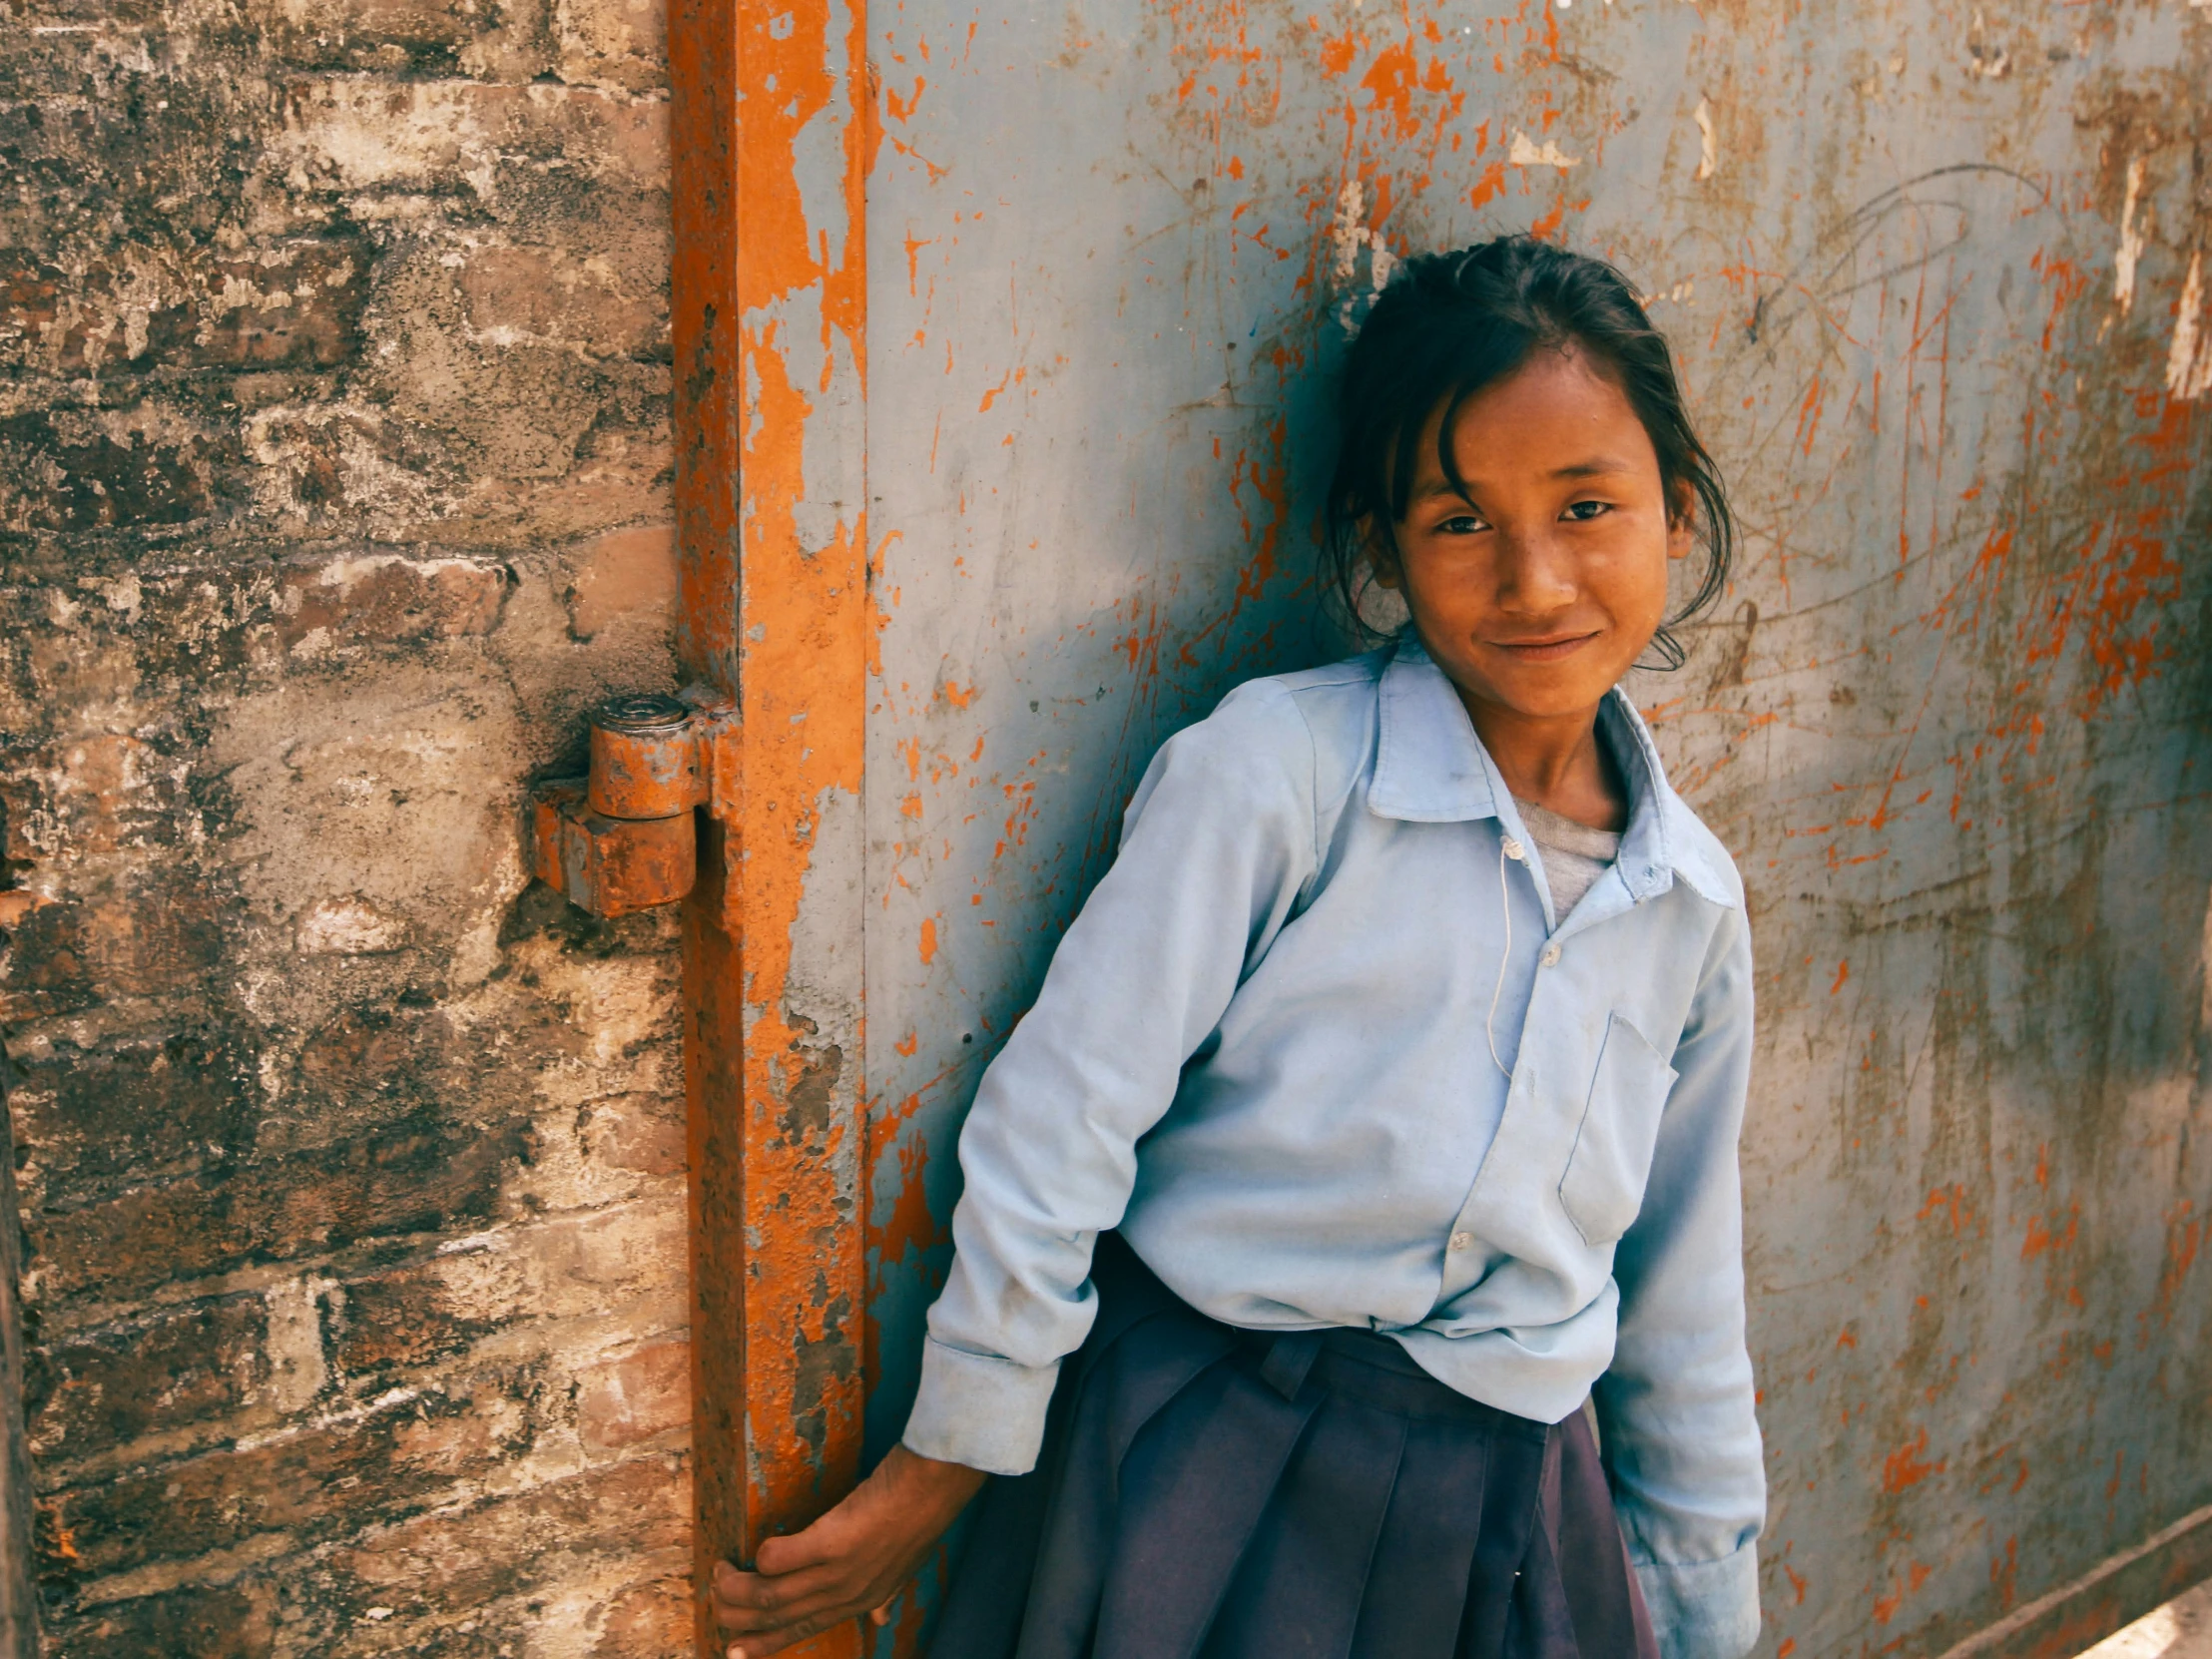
1405, 1045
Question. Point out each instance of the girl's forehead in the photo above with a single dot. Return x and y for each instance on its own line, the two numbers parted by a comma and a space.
1557, 400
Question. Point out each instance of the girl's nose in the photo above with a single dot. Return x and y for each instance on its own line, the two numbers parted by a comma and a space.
1536, 573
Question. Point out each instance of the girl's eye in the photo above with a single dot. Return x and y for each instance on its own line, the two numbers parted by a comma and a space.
1462, 524
1584, 511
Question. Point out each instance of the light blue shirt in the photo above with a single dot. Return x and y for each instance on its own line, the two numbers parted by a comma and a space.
1264, 1051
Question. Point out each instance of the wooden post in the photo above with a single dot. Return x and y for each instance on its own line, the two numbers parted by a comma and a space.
773, 136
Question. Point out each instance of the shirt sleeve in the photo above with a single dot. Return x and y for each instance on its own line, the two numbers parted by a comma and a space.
1216, 846
1675, 1410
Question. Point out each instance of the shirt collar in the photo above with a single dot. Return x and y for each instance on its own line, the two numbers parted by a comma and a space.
1430, 768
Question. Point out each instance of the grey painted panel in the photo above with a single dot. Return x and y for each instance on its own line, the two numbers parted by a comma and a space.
1929, 273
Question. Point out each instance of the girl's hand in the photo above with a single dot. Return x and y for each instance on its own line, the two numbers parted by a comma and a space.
851, 1562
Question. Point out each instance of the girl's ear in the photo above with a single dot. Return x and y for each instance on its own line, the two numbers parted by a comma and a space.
1382, 553
1681, 520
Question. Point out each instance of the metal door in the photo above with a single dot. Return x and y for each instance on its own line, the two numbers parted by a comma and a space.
1023, 346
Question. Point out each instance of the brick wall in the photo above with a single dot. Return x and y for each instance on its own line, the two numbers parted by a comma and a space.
334, 484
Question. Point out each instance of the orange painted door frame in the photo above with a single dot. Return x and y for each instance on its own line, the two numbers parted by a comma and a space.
771, 133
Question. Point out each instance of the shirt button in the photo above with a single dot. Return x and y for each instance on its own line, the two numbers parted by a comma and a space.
1460, 1241
1550, 957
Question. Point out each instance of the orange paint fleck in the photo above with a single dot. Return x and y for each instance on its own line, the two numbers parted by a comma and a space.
1952, 1200
2184, 1234
1905, 1466
2042, 1236
928, 940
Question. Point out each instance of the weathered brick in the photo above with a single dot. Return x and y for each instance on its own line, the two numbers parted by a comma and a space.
652, 1620
622, 575
648, 1142
310, 1483
635, 1396
385, 599
320, 463
205, 1623
453, 136
410, 1317
133, 1110
104, 1388
350, 925
414, 37
534, 293
78, 324
157, 930
91, 792
613, 43
291, 304
73, 474
509, 1545
373, 1053
417, 1176
16, 908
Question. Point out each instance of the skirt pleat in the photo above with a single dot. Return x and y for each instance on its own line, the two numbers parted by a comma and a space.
1202, 1476
1423, 1561
1302, 1578
1206, 1493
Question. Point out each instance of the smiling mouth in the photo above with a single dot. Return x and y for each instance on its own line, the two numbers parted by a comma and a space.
1543, 651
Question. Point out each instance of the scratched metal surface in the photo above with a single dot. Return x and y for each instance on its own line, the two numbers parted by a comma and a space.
1933, 276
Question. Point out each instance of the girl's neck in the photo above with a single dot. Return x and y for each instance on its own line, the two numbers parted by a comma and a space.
1556, 761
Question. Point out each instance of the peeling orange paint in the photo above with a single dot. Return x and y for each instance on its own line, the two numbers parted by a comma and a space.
783, 623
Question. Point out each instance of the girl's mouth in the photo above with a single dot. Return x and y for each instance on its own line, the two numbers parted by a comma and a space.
1543, 650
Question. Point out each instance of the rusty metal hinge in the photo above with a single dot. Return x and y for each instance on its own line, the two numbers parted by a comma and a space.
624, 838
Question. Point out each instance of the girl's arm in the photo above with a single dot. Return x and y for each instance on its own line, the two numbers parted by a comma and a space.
1215, 848
1675, 1411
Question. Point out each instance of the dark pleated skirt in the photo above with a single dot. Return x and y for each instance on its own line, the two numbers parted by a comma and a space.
1207, 1493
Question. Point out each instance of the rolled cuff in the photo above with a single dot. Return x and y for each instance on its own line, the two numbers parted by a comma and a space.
1703, 1609
979, 1410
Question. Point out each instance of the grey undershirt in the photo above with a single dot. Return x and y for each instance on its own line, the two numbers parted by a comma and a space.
1574, 854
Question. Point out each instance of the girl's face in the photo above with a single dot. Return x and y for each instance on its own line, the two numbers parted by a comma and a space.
1536, 590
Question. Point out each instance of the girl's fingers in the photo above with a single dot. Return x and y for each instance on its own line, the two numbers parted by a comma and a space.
750, 1602
755, 1647
785, 1589
806, 1548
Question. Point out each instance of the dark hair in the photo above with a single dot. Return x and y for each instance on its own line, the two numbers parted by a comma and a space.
1450, 324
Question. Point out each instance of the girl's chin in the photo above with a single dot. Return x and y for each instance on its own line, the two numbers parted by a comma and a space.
1541, 690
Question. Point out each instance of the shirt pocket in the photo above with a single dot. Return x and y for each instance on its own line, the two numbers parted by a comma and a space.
1604, 1187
